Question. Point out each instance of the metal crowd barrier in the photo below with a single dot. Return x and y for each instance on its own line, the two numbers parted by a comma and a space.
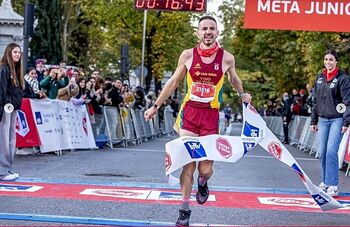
300, 134
126, 125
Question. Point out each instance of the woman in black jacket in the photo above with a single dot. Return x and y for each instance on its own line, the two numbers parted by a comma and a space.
331, 117
11, 93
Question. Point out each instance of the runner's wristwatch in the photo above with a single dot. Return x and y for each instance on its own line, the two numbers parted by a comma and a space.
241, 95
155, 106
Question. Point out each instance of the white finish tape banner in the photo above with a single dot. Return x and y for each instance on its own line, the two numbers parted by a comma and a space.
62, 125
184, 150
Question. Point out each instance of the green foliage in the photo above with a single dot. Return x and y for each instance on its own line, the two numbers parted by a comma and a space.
116, 22
46, 41
273, 61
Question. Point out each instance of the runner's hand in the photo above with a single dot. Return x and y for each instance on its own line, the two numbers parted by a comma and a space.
313, 128
246, 97
150, 113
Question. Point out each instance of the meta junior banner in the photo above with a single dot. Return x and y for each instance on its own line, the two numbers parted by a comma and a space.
309, 15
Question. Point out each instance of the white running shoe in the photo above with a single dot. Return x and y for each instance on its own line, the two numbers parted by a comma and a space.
10, 177
332, 191
323, 186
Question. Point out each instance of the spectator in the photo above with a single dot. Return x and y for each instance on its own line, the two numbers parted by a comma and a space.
175, 106
31, 89
11, 93
39, 67
54, 82
95, 74
68, 92
139, 95
128, 96
228, 114
295, 95
332, 89
303, 98
286, 115
114, 94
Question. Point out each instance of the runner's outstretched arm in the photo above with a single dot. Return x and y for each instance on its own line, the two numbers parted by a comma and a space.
170, 85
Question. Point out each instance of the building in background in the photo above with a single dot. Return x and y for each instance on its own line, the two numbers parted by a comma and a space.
11, 26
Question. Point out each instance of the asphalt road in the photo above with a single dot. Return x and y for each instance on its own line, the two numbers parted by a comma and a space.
142, 167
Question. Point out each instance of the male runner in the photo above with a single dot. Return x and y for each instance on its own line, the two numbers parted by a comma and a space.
204, 67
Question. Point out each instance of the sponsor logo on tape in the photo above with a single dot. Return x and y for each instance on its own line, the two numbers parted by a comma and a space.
224, 147
167, 161
194, 148
275, 149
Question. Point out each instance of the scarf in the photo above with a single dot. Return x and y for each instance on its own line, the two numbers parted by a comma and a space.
207, 52
33, 83
331, 75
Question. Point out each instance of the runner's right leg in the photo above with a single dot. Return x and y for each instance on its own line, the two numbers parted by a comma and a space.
186, 182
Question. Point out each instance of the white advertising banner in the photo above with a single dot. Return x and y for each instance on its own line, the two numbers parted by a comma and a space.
62, 125
184, 150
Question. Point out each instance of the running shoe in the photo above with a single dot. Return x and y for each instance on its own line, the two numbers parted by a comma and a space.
184, 218
332, 191
202, 194
323, 186
9, 177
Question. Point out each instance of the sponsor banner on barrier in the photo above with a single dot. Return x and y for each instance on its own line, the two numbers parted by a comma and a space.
62, 125
26, 131
309, 15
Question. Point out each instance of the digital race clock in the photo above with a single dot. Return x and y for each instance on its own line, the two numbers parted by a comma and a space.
172, 5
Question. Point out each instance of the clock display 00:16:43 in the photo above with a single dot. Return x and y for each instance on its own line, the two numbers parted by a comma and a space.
176, 5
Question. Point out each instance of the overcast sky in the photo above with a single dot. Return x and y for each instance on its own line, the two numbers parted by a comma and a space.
213, 6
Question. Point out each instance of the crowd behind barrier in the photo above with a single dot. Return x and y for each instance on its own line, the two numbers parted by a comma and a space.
59, 119
303, 138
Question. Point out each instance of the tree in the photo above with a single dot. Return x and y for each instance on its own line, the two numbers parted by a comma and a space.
46, 41
114, 23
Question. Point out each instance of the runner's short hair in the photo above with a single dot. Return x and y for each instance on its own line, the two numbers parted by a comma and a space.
207, 17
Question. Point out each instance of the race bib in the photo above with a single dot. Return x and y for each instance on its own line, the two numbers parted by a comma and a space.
202, 92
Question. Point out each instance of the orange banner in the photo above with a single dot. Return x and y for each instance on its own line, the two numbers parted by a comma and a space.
308, 15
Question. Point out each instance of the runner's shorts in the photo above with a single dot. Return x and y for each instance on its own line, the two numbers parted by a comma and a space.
199, 120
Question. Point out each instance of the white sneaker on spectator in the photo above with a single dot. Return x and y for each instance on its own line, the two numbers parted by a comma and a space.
10, 177
13, 173
323, 186
332, 191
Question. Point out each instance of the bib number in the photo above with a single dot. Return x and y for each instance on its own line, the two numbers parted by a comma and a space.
202, 92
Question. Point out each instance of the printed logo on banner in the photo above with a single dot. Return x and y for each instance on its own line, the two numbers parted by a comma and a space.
38, 118
319, 199
19, 188
117, 193
167, 161
250, 130
194, 148
224, 147
299, 172
22, 127
84, 124
172, 196
275, 149
252, 108
247, 146
285, 201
